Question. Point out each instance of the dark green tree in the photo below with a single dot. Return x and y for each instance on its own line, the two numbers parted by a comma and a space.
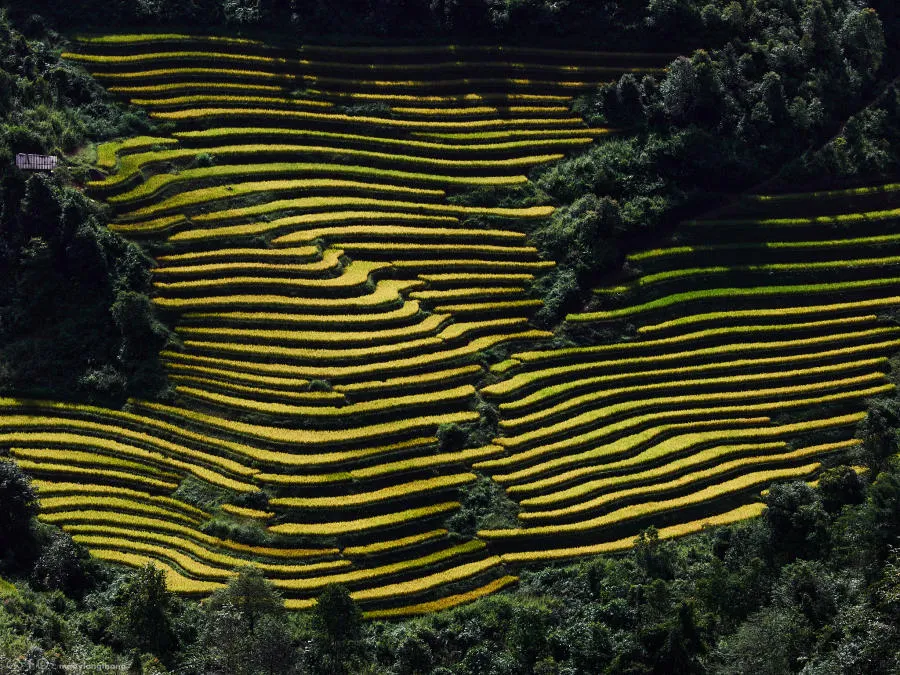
883, 508
862, 39
244, 630
839, 486
142, 619
337, 616
18, 505
878, 431
797, 520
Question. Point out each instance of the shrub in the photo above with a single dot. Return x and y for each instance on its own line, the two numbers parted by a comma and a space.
452, 437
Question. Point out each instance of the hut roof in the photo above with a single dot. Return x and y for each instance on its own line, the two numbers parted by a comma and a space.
30, 162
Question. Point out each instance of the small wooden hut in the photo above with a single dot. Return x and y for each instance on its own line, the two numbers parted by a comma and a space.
31, 162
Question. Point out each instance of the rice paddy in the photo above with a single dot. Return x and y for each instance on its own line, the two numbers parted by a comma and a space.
337, 311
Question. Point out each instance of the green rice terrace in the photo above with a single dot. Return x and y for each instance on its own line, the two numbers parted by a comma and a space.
340, 302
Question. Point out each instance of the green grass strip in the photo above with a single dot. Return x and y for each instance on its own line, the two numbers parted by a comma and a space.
394, 544
194, 100
337, 373
429, 325
368, 387
298, 116
426, 462
113, 423
131, 165
175, 581
437, 150
415, 234
647, 390
385, 295
113, 537
447, 602
203, 196
571, 386
353, 500
809, 267
840, 219
400, 316
354, 275
383, 69
716, 293
427, 583
330, 262
343, 414
87, 523
306, 219
308, 203
360, 525
544, 555
781, 312
740, 484
167, 89
309, 438
226, 255
89, 459
107, 153
158, 182
366, 576
593, 418
442, 100
750, 455
476, 111
818, 345
570, 353
824, 194
668, 253
131, 39
526, 467
68, 471
118, 504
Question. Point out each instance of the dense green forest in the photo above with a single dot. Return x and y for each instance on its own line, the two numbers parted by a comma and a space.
780, 95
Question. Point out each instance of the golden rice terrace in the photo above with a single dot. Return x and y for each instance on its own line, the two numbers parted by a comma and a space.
337, 306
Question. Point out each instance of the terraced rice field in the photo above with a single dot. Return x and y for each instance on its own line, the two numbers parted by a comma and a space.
337, 305
301, 213
747, 370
